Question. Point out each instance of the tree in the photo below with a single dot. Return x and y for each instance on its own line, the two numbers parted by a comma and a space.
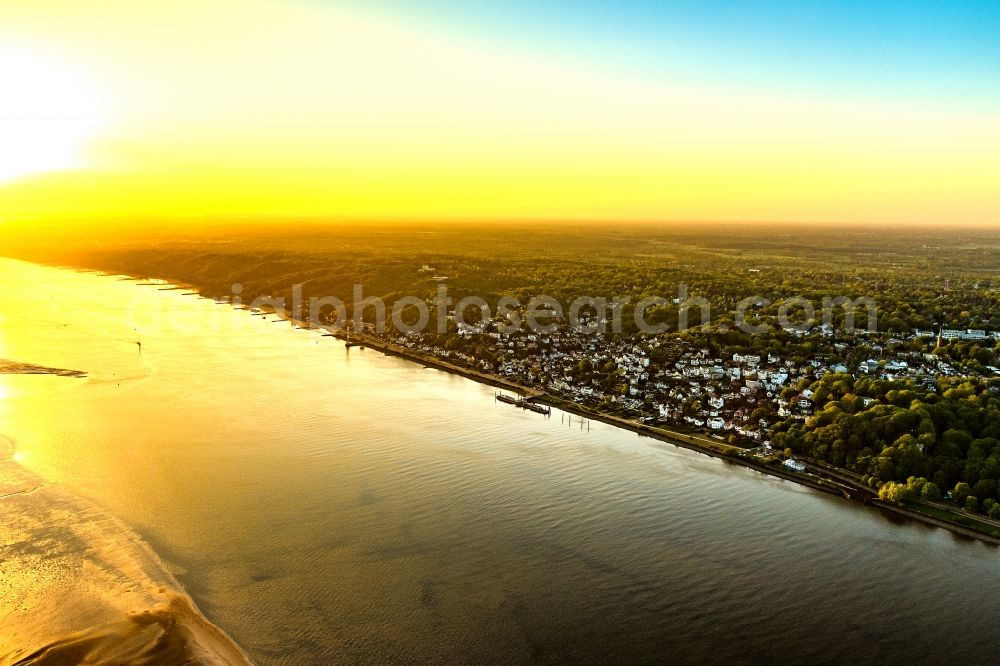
961, 492
896, 492
984, 488
882, 468
972, 503
930, 491
916, 484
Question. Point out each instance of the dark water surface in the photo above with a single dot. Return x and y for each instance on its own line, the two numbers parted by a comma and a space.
326, 506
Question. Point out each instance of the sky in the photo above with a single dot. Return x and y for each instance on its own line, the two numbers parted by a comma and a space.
847, 112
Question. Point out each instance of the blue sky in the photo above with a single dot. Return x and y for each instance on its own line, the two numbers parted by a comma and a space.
944, 51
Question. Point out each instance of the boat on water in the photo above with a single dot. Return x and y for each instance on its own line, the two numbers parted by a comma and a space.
523, 403
538, 409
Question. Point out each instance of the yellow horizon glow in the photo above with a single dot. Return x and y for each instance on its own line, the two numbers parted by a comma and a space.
268, 108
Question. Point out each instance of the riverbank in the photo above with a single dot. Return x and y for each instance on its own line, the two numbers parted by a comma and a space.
697, 443
692, 442
430, 361
829, 481
79, 586
918, 513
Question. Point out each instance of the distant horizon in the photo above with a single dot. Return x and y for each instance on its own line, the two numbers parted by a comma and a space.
136, 222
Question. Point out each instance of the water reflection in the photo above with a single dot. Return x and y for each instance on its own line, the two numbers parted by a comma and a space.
322, 506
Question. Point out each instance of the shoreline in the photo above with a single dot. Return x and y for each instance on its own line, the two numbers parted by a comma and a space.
836, 483
81, 585
840, 484
696, 443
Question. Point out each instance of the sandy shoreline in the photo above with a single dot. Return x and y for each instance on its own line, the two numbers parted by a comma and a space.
8, 367
77, 585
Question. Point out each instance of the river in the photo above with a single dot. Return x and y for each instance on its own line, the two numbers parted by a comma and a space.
325, 505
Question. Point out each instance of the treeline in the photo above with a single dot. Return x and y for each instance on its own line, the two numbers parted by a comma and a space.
919, 278
937, 441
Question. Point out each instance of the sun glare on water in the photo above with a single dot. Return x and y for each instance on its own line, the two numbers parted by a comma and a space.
48, 112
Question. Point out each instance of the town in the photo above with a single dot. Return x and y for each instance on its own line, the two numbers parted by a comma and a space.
672, 380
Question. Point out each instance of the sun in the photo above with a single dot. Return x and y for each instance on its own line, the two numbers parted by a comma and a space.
49, 110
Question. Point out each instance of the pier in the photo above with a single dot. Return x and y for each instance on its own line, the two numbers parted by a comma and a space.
523, 403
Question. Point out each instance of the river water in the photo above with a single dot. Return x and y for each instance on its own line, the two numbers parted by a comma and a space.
325, 505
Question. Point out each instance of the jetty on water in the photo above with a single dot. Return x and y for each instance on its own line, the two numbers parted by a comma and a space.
523, 403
